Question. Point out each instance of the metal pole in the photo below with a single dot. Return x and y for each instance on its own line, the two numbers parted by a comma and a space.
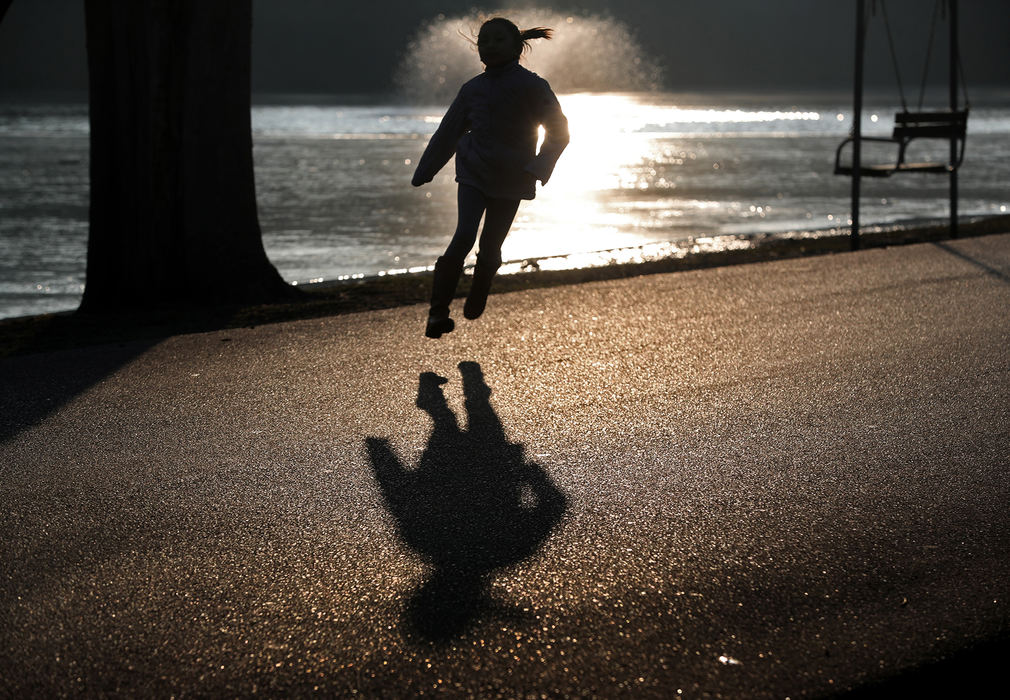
857, 122
953, 108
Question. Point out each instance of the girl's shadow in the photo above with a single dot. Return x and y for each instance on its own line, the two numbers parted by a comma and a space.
472, 506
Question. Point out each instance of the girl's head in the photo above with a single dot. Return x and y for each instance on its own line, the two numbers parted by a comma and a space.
499, 41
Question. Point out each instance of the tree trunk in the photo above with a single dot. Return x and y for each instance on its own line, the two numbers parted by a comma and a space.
173, 200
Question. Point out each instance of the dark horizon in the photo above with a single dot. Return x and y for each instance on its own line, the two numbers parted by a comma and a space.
308, 47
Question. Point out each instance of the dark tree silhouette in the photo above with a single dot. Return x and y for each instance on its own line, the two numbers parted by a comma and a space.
173, 201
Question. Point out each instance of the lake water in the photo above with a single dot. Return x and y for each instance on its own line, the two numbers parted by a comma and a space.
333, 182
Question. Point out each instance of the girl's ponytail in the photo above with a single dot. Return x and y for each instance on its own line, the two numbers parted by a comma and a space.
536, 33
533, 33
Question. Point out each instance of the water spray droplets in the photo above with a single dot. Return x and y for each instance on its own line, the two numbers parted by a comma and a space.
589, 53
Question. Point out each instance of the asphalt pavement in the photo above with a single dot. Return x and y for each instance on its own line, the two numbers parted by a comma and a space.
782, 479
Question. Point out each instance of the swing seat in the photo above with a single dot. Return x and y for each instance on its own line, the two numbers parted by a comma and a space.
908, 126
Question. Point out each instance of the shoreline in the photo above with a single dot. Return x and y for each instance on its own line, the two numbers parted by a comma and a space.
60, 331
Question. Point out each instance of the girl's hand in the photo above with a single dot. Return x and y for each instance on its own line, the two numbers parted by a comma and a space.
417, 182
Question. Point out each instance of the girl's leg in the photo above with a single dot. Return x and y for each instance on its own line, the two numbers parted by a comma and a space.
471, 203
497, 222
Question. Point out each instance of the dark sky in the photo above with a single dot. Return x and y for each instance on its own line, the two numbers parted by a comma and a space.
329, 46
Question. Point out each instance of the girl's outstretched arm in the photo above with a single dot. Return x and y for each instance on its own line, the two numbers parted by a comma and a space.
555, 137
443, 142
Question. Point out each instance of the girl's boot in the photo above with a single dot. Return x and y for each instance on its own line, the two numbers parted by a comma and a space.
443, 287
483, 273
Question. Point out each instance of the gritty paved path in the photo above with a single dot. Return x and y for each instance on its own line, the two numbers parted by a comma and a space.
771, 480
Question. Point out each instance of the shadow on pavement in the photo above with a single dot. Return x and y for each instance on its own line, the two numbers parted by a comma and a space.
998, 274
472, 506
970, 673
36, 386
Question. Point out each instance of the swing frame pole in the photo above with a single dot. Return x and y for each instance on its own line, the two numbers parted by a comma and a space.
857, 120
953, 109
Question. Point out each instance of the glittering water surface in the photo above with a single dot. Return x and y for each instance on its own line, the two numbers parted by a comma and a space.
643, 169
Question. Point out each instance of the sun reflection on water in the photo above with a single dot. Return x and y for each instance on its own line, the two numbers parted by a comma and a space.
569, 214
617, 183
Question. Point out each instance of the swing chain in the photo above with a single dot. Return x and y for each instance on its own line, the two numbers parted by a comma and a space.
940, 11
894, 55
929, 49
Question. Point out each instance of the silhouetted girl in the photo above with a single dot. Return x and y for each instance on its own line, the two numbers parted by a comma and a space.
492, 127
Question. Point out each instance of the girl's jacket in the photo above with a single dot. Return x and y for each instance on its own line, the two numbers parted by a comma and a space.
492, 128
